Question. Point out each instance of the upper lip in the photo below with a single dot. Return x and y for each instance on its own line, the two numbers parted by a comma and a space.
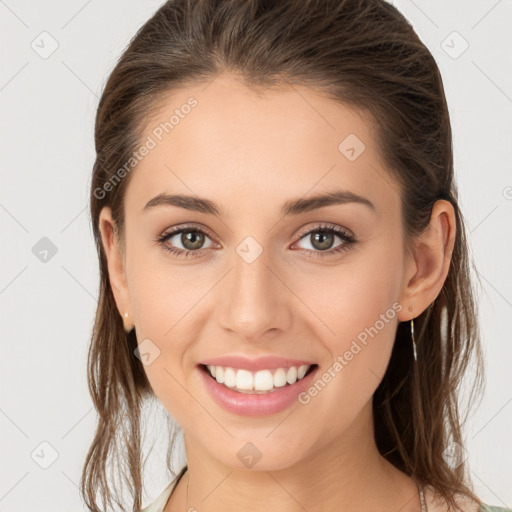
255, 364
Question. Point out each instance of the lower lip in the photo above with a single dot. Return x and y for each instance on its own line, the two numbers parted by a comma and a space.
255, 404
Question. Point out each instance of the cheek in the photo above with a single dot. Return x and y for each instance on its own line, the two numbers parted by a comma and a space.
163, 303
356, 307
348, 298
170, 303
164, 295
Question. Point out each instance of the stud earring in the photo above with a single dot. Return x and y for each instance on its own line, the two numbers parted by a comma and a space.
127, 327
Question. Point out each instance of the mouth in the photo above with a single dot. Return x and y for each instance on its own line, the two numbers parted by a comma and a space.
260, 382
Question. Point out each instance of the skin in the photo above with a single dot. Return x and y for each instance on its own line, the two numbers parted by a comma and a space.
269, 149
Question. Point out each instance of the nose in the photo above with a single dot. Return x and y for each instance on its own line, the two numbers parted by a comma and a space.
253, 302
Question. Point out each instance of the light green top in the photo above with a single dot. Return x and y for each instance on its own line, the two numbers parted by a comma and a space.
159, 503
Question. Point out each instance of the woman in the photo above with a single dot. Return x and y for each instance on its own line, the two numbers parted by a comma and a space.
283, 262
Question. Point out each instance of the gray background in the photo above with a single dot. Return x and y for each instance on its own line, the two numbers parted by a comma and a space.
47, 112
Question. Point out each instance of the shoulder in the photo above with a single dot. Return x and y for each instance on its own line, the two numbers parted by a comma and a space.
161, 500
437, 504
489, 508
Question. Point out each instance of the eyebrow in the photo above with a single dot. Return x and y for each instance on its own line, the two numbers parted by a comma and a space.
293, 207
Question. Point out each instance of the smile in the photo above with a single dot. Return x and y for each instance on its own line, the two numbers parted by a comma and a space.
262, 381
256, 402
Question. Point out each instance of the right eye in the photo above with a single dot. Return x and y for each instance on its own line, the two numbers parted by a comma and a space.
190, 237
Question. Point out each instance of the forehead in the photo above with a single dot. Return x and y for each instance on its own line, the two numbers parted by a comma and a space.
221, 139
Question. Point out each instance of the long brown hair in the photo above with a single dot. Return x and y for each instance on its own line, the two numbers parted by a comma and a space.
363, 53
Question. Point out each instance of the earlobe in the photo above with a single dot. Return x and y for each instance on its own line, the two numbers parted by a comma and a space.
431, 261
115, 260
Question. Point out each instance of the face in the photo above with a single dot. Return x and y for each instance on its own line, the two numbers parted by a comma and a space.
259, 280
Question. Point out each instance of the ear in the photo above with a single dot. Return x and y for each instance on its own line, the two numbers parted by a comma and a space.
427, 267
116, 261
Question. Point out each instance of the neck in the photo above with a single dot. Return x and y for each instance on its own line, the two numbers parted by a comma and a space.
344, 475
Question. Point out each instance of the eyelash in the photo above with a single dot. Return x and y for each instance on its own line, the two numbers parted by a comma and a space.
348, 240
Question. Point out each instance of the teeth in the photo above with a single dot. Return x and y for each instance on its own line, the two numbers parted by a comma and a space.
229, 378
291, 376
244, 380
279, 378
302, 371
261, 381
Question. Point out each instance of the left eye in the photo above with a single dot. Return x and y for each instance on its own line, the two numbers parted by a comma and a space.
321, 239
